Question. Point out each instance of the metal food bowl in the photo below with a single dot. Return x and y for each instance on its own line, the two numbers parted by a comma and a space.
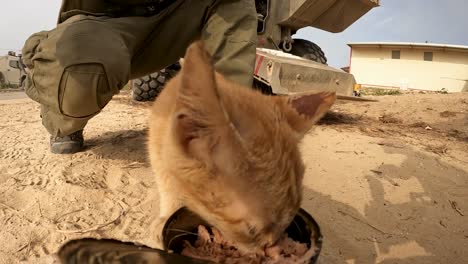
183, 226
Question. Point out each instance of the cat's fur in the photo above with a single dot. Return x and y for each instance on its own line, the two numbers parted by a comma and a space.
230, 153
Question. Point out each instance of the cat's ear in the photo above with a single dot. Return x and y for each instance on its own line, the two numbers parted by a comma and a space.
198, 109
302, 111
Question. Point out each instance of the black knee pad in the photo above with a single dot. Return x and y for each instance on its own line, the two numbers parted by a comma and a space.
84, 90
77, 67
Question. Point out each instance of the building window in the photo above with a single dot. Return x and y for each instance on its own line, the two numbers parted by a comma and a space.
428, 56
395, 54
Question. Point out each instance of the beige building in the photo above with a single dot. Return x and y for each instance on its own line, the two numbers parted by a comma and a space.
420, 66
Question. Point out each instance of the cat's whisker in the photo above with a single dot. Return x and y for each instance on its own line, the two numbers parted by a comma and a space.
182, 231
185, 232
296, 224
175, 237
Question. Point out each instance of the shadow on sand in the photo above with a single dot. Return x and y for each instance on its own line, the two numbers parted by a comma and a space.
126, 145
423, 228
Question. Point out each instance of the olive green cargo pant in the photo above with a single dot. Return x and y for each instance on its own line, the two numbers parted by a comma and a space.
76, 68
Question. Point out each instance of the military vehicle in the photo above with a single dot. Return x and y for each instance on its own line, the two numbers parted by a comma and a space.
285, 65
11, 70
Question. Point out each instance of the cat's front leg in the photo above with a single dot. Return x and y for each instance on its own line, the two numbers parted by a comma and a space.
169, 200
156, 238
168, 204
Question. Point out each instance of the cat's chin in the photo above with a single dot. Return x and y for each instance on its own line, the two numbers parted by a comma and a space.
249, 249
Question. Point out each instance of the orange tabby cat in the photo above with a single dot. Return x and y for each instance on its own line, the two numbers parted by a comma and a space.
230, 153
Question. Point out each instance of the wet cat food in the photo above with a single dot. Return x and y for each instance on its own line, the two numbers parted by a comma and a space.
213, 247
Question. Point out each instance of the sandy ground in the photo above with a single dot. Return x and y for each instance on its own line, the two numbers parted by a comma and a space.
386, 181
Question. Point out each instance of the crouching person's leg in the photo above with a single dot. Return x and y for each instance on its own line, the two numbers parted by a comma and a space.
230, 35
74, 70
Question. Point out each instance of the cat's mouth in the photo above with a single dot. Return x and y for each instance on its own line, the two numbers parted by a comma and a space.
182, 228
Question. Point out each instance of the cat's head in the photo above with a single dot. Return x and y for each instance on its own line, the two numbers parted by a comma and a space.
244, 171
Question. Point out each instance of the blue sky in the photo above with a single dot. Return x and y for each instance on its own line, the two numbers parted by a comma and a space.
436, 21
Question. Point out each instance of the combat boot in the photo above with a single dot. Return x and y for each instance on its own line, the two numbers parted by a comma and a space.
68, 144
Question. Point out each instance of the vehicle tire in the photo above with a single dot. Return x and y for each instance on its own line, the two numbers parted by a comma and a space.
2, 79
148, 87
262, 87
308, 50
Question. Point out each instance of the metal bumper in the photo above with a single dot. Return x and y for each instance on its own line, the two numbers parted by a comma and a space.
289, 74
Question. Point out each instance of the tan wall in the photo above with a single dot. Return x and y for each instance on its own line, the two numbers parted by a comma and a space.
11, 75
375, 66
